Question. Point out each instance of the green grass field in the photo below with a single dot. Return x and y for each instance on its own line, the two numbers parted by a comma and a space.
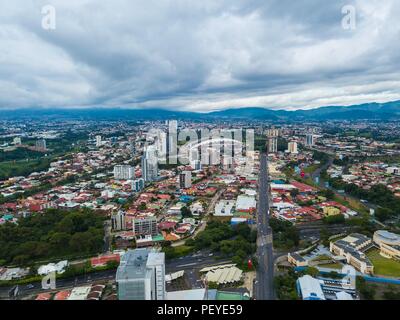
332, 266
384, 266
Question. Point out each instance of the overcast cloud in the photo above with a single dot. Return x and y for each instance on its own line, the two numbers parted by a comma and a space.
198, 55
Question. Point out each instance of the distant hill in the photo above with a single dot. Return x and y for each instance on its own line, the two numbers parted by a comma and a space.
368, 111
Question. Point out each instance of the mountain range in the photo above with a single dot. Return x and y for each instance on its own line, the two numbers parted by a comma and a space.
368, 111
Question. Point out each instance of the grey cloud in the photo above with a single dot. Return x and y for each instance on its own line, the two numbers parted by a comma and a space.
198, 55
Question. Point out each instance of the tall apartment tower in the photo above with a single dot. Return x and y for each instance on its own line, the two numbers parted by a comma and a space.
292, 147
272, 145
273, 132
185, 179
172, 142
98, 141
272, 135
141, 275
310, 140
150, 164
124, 172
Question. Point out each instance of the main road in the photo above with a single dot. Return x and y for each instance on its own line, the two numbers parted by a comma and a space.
264, 286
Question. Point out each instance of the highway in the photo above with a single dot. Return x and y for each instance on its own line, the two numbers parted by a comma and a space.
264, 285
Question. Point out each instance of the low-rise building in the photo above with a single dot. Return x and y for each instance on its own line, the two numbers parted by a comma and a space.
352, 248
297, 260
224, 208
389, 244
309, 288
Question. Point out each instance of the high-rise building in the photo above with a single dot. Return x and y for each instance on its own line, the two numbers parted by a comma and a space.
172, 141
132, 147
196, 164
272, 132
98, 141
310, 140
145, 226
161, 145
272, 145
272, 135
292, 147
124, 172
141, 275
118, 221
41, 144
150, 164
185, 179
138, 185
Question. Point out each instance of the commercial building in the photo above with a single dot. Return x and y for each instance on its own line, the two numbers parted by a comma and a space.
223, 275
124, 172
118, 221
224, 208
389, 244
185, 179
145, 226
352, 248
322, 288
297, 260
141, 275
245, 203
309, 288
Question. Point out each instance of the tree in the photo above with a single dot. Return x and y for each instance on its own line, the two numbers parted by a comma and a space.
60, 239
312, 271
335, 219
366, 291
142, 206
185, 212
327, 193
383, 214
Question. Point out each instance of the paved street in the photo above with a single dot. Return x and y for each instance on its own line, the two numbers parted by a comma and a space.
265, 273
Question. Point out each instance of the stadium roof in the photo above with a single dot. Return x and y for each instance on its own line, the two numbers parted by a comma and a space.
224, 275
222, 266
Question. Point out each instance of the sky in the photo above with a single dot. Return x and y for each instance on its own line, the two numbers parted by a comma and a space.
198, 55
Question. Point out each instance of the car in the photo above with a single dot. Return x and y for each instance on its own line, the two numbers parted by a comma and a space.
30, 286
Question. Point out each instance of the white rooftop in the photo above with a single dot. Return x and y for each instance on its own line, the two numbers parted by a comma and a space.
194, 294
310, 288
